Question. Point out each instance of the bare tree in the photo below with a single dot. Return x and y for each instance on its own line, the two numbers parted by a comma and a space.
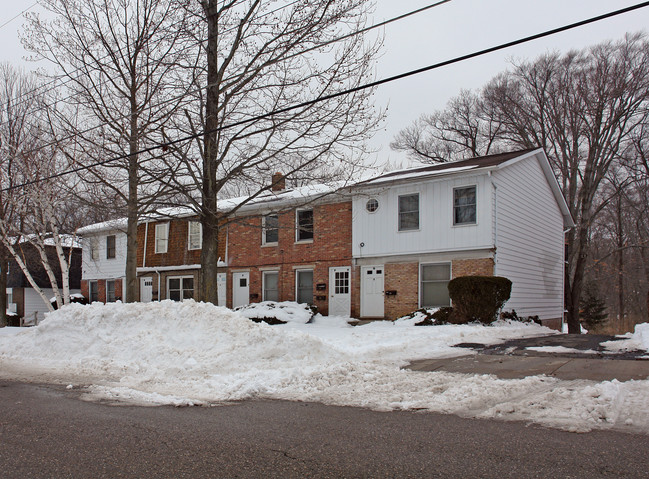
582, 108
118, 59
253, 113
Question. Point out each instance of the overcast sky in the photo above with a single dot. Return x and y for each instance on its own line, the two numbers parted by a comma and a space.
453, 29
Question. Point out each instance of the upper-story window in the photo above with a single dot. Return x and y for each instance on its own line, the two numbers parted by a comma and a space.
110, 247
464, 205
161, 237
94, 248
304, 225
270, 229
195, 238
409, 212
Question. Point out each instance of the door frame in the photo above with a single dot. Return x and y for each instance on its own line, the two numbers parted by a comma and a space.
235, 287
363, 298
332, 288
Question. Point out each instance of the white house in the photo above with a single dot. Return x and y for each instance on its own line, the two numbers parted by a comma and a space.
103, 266
414, 230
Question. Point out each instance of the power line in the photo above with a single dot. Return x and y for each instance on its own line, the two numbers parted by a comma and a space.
374, 84
179, 97
21, 13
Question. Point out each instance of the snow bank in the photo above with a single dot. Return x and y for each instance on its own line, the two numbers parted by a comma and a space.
285, 311
636, 341
195, 353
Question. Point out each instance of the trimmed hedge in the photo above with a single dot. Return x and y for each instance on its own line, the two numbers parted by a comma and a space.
478, 298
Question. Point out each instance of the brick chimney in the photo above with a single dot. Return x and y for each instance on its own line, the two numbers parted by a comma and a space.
278, 182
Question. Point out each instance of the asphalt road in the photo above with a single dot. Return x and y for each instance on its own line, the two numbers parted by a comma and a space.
47, 432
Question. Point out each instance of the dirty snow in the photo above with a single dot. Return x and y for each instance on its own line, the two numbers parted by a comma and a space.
560, 349
195, 353
636, 341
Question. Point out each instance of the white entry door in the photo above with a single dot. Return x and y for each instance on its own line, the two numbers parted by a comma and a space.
240, 289
146, 289
372, 292
340, 298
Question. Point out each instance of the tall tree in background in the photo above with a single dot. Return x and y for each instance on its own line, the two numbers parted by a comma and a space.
261, 58
117, 60
582, 108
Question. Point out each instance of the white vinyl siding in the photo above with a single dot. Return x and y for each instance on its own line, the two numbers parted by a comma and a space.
529, 240
379, 231
161, 237
102, 268
195, 235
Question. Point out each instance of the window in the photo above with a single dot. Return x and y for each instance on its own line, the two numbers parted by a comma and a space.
110, 291
180, 288
195, 240
409, 212
372, 205
434, 285
341, 282
270, 229
161, 237
271, 286
94, 249
464, 205
110, 247
93, 291
304, 287
304, 220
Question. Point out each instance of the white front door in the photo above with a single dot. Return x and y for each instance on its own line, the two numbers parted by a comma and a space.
240, 289
146, 289
372, 292
221, 284
340, 298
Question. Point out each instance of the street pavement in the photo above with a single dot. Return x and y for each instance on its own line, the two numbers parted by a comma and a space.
46, 431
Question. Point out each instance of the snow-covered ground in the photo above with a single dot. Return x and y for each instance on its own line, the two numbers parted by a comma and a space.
196, 353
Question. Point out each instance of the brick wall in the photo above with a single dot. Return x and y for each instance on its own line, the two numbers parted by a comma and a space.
331, 247
473, 267
404, 279
177, 249
101, 289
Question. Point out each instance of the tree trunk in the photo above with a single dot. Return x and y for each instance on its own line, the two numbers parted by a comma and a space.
620, 263
130, 288
210, 219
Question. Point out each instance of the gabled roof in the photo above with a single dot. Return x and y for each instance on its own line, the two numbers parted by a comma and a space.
445, 168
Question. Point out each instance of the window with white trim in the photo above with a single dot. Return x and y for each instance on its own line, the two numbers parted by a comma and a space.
110, 246
270, 229
110, 291
180, 288
161, 237
271, 286
94, 248
433, 285
304, 225
464, 205
195, 235
304, 286
93, 291
409, 212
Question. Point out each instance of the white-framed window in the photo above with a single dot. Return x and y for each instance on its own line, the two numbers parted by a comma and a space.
409, 212
110, 291
433, 285
270, 229
93, 291
195, 235
94, 248
161, 237
180, 288
270, 286
372, 205
304, 286
465, 205
304, 225
111, 246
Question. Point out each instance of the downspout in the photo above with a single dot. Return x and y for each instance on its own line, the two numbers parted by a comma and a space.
495, 223
146, 235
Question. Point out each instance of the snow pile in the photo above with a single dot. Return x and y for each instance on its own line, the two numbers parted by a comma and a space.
196, 353
638, 341
286, 311
416, 317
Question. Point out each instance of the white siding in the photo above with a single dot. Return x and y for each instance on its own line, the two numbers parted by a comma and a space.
529, 240
103, 268
379, 233
34, 304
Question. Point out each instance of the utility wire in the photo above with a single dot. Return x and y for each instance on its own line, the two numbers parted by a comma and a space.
374, 84
24, 11
179, 97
